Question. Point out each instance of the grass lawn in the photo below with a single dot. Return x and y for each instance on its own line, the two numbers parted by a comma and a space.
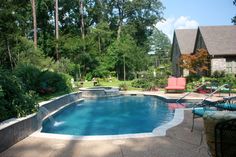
115, 83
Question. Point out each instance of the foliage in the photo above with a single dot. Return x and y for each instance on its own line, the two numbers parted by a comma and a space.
124, 52
50, 82
140, 83
28, 75
215, 81
192, 85
218, 74
234, 18
89, 77
116, 35
42, 82
104, 23
149, 81
27, 54
123, 86
197, 63
64, 65
15, 101
159, 47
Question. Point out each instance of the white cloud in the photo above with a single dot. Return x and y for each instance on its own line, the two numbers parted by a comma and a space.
170, 24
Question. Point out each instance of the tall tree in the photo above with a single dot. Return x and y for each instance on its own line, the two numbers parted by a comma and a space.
234, 18
15, 21
34, 22
160, 46
56, 29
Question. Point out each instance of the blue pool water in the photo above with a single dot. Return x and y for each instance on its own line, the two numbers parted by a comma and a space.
110, 116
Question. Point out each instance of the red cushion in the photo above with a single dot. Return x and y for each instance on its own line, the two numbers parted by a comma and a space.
172, 81
175, 87
181, 81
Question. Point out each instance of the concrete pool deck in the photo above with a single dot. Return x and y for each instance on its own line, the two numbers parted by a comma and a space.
179, 141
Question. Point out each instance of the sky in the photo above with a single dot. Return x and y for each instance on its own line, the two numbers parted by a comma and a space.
187, 14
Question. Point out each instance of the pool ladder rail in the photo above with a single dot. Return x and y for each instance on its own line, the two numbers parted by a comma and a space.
177, 101
201, 104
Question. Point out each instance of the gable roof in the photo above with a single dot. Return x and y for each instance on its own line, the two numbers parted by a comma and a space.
186, 40
219, 40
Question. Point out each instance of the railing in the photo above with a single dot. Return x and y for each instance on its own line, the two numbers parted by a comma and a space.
191, 91
210, 95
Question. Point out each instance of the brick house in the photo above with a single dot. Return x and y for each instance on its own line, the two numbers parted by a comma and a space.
219, 41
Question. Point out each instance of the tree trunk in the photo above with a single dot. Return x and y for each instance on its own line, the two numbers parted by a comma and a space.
124, 68
99, 45
120, 20
56, 29
9, 54
34, 22
82, 22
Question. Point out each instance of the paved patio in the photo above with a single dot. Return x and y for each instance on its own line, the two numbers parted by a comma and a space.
179, 142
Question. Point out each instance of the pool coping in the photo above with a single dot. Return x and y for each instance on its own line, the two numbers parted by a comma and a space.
158, 131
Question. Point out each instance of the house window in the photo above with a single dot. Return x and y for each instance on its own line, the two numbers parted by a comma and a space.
230, 66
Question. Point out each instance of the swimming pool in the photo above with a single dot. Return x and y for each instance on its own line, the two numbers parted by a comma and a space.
110, 116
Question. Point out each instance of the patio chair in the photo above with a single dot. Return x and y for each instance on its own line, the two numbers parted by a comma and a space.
198, 112
176, 84
228, 103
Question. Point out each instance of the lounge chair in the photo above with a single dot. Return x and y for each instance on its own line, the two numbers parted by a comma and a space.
228, 103
198, 112
176, 84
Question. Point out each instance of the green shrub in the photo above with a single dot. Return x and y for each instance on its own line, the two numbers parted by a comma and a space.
161, 82
218, 74
65, 65
15, 100
50, 82
89, 76
27, 54
193, 77
29, 75
123, 86
140, 83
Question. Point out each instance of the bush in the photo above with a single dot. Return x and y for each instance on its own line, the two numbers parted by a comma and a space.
50, 82
45, 82
29, 75
65, 65
218, 74
89, 76
15, 101
140, 83
123, 86
161, 82
193, 77
27, 54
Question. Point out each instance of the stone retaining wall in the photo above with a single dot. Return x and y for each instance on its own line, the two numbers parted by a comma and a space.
15, 130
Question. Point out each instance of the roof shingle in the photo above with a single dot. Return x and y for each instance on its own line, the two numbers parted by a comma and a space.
219, 40
186, 40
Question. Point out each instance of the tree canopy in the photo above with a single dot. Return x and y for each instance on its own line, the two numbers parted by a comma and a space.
234, 18
95, 36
